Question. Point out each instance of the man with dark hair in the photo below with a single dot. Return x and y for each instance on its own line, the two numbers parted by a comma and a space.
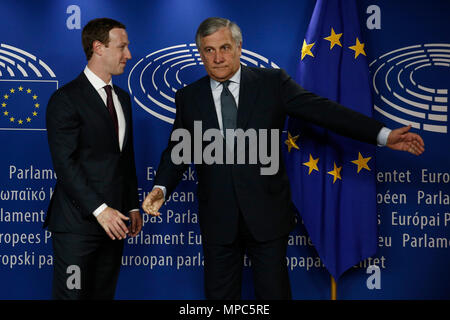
240, 210
90, 135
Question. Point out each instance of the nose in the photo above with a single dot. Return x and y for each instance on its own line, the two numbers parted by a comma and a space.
218, 57
127, 54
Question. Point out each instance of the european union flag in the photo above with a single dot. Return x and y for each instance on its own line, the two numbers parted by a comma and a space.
23, 103
332, 177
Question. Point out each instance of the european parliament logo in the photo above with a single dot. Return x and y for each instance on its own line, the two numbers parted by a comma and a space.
153, 80
411, 86
26, 84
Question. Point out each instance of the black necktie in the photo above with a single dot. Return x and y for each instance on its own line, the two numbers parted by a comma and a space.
229, 108
111, 109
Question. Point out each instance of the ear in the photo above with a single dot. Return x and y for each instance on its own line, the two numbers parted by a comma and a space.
97, 47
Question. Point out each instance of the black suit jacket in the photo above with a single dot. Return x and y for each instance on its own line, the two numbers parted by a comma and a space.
89, 165
266, 97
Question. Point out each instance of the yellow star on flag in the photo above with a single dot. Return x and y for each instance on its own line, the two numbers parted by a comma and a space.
290, 142
28, 90
6, 96
34, 113
11, 119
34, 97
334, 39
336, 173
306, 49
312, 164
12, 90
362, 162
20, 88
20, 121
358, 48
37, 105
3, 104
28, 119
6, 113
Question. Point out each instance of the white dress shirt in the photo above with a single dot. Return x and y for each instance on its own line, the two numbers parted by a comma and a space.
99, 85
217, 87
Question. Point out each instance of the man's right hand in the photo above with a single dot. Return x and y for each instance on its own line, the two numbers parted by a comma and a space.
153, 201
111, 220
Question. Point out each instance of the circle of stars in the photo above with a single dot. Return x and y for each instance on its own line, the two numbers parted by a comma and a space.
6, 104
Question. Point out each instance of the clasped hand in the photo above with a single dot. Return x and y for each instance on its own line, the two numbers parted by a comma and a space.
113, 223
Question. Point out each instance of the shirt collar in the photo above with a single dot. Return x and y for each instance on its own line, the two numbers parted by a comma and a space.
96, 82
236, 78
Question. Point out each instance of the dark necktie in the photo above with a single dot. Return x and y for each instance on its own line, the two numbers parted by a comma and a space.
229, 108
111, 109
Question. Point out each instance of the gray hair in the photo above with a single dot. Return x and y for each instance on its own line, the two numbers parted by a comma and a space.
211, 25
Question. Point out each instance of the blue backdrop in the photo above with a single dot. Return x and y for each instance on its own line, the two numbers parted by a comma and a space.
408, 48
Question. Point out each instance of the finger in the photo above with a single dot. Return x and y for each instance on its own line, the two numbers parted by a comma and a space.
122, 227
115, 232
133, 225
136, 224
154, 210
108, 232
405, 129
120, 233
419, 148
116, 228
121, 216
146, 206
418, 144
137, 230
419, 140
412, 149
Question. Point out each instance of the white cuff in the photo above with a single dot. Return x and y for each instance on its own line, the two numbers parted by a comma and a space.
100, 209
383, 136
162, 188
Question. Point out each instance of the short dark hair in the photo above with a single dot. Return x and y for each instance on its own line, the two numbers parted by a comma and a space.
97, 29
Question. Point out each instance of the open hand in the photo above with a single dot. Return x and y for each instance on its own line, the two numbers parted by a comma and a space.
153, 201
401, 139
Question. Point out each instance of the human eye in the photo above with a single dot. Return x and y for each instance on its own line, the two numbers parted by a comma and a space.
208, 50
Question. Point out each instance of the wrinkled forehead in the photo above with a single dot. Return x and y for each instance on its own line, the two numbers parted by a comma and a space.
218, 38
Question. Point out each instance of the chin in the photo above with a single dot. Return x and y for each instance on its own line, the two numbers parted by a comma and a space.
118, 72
222, 77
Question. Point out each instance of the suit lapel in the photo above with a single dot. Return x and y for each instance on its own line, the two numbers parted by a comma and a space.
247, 95
96, 104
206, 104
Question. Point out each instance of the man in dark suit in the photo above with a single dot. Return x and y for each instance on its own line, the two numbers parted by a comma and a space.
242, 210
90, 135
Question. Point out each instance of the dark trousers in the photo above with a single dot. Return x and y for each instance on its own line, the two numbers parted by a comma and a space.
224, 265
85, 266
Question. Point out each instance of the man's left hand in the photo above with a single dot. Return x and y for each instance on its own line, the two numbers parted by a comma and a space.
135, 223
401, 139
